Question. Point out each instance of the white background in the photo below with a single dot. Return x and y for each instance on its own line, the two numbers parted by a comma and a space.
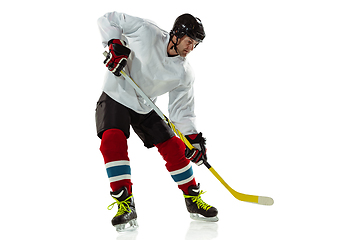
277, 97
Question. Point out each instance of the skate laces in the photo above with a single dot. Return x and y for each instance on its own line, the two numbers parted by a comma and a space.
123, 206
199, 202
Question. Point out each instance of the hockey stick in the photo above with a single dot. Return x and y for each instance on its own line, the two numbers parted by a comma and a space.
240, 196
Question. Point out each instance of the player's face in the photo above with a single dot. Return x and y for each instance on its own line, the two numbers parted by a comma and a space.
186, 45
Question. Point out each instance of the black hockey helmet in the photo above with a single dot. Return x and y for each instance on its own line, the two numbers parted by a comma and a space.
189, 25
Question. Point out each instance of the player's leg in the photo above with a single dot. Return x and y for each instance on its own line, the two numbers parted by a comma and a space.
113, 125
154, 131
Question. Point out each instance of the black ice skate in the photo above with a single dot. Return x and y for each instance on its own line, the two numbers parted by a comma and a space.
197, 208
125, 218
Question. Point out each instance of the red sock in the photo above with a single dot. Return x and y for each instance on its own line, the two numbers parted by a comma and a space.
114, 150
173, 152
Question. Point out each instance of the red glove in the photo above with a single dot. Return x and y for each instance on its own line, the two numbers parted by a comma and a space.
198, 153
117, 57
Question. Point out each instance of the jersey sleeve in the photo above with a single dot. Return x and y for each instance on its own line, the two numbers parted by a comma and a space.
181, 109
113, 25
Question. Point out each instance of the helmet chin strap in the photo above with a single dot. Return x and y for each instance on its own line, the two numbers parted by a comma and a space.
174, 46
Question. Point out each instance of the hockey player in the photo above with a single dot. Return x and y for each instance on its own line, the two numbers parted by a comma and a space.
156, 60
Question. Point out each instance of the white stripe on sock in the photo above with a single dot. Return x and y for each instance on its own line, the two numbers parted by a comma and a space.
186, 180
119, 178
117, 163
184, 169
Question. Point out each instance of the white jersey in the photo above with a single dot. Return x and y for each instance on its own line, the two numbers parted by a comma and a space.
151, 68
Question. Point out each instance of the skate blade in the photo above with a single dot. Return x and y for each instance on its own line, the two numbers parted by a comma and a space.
199, 217
130, 226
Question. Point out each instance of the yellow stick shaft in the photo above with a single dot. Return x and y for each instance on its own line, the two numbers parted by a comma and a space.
237, 195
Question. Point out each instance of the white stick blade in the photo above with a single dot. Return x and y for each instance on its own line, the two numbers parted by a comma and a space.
265, 200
